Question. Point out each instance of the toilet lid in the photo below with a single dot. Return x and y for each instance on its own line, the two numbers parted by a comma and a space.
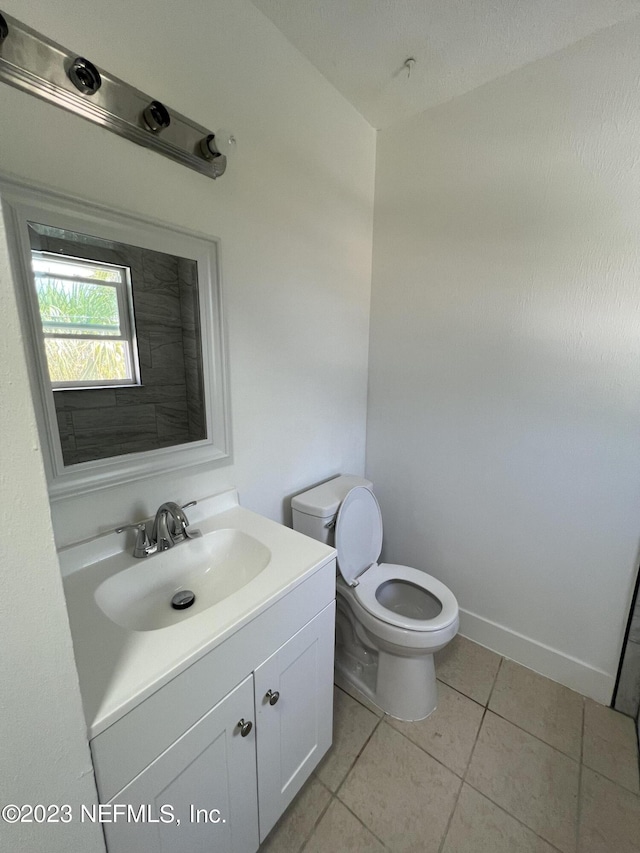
358, 533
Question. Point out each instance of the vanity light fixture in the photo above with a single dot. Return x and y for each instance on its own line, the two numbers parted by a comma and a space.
35, 64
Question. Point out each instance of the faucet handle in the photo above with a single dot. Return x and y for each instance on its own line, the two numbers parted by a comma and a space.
189, 532
140, 525
143, 547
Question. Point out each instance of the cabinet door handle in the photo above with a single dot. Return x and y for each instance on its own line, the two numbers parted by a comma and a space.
272, 696
245, 727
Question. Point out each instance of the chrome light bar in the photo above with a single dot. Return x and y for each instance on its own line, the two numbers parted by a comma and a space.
43, 68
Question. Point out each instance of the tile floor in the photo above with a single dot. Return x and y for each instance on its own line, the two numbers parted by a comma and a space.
509, 762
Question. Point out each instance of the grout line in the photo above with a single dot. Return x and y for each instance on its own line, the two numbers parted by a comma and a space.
602, 773
464, 775
473, 748
616, 782
289, 809
463, 778
484, 714
487, 710
323, 812
421, 748
453, 811
460, 693
495, 681
363, 824
359, 701
482, 793
426, 751
462, 783
579, 761
517, 819
334, 795
353, 763
537, 737
443, 680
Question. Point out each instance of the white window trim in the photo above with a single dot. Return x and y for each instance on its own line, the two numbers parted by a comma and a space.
124, 295
22, 203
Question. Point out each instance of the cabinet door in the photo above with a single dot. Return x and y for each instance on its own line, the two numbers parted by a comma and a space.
294, 732
212, 767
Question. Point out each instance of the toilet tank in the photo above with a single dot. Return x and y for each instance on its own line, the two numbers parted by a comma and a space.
314, 509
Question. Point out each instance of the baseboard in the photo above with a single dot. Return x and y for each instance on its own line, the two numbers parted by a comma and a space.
557, 666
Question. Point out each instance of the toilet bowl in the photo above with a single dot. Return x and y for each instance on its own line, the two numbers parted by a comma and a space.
390, 619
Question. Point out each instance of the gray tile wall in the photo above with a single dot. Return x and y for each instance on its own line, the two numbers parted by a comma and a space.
190, 313
167, 409
627, 699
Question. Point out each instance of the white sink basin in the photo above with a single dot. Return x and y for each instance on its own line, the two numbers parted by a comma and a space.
213, 568
128, 639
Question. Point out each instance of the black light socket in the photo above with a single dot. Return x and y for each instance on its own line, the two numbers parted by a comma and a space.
208, 147
156, 116
85, 76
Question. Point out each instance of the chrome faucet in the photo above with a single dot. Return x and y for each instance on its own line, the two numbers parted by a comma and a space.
170, 526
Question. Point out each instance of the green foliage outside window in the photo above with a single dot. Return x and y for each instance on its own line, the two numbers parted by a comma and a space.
78, 318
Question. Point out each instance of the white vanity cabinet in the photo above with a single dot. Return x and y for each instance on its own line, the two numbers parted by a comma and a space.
294, 715
211, 767
185, 747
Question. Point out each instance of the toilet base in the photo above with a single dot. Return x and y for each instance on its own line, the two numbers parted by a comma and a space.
407, 687
402, 686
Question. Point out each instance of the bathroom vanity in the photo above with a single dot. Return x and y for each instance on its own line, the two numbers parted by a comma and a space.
208, 726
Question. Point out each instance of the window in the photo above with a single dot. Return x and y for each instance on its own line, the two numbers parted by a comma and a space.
87, 321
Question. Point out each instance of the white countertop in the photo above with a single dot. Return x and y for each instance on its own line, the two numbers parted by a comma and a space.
118, 668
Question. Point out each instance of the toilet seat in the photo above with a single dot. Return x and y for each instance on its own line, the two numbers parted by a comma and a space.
370, 581
358, 540
358, 536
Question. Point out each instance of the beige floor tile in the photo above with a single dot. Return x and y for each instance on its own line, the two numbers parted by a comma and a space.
479, 826
343, 684
450, 732
544, 708
609, 817
297, 823
340, 831
610, 745
529, 779
352, 725
400, 793
468, 667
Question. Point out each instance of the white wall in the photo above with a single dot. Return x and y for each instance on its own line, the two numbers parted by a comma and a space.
44, 755
505, 354
294, 215
293, 212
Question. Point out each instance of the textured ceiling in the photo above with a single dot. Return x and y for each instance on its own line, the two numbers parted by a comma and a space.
360, 45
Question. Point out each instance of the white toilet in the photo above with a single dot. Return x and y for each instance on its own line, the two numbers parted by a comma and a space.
390, 619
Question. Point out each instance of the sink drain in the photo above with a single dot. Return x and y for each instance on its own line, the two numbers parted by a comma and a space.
183, 599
